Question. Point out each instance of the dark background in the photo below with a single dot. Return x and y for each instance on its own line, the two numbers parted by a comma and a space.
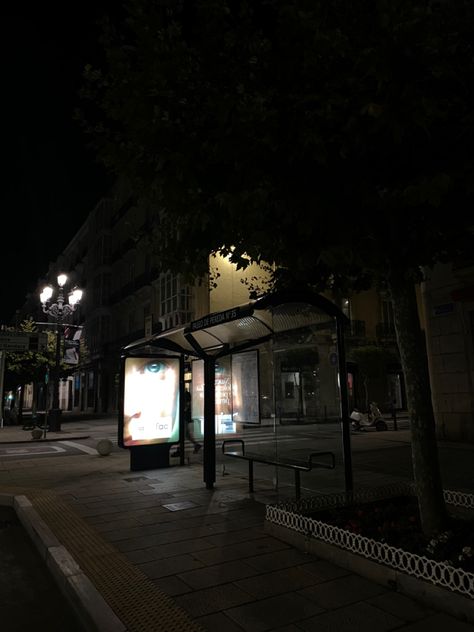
51, 179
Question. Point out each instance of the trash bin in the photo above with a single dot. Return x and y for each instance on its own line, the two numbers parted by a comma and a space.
54, 420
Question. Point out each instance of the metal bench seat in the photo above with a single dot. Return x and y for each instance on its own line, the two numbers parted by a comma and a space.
296, 465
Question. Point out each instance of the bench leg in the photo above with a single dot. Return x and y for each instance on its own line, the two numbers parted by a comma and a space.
251, 477
297, 485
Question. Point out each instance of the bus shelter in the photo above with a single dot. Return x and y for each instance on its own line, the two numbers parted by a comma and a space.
257, 369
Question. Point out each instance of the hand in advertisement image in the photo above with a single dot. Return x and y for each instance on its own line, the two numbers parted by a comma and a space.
151, 398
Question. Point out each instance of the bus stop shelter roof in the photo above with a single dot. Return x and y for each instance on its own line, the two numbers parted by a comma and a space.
220, 333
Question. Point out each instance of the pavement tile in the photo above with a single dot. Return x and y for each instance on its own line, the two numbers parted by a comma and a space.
267, 614
170, 566
190, 545
141, 556
217, 574
171, 586
215, 599
138, 543
240, 550
401, 606
359, 617
232, 537
276, 582
438, 622
323, 570
278, 559
342, 591
219, 622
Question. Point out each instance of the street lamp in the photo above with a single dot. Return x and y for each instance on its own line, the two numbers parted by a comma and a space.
63, 307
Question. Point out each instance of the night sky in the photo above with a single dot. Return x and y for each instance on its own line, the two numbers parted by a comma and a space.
51, 179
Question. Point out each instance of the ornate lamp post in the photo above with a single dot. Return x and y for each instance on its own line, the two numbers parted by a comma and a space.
63, 307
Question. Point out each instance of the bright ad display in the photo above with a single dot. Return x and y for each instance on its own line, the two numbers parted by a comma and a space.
223, 394
245, 388
151, 401
236, 391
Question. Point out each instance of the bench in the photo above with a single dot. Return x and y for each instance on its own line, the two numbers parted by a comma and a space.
292, 464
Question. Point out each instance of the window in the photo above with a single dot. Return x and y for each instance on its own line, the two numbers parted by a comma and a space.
175, 300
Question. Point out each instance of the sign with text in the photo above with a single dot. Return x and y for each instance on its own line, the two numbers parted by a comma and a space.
18, 341
219, 318
150, 401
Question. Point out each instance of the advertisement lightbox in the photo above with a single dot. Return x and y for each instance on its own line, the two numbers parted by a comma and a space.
150, 401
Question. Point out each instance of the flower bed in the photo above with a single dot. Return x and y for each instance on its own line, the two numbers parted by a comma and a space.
382, 526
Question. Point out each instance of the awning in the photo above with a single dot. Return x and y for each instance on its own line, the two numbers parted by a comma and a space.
220, 333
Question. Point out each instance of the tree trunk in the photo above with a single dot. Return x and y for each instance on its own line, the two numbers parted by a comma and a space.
424, 447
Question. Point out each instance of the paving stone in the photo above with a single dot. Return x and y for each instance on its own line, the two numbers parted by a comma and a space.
278, 559
276, 582
342, 591
218, 574
171, 586
232, 537
215, 599
190, 545
219, 622
438, 623
240, 550
323, 570
359, 617
401, 606
170, 566
268, 614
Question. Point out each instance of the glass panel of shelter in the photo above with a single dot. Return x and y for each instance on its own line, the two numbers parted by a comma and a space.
282, 399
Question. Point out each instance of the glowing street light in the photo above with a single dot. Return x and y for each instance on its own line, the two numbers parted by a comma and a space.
60, 309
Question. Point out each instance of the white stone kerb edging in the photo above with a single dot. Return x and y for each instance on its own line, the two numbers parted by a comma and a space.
93, 611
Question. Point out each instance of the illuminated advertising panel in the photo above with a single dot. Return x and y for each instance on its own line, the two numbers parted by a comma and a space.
150, 400
245, 388
236, 391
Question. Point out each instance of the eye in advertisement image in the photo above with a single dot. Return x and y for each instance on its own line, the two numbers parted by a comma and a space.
151, 401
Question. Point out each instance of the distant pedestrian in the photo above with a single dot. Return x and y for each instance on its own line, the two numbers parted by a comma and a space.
188, 425
189, 422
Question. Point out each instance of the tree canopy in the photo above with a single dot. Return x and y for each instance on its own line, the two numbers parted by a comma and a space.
311, 134
333, 139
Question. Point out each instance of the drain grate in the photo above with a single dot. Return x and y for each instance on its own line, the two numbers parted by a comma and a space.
185, 504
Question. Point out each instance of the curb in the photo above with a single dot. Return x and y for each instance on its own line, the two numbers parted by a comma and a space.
93, 612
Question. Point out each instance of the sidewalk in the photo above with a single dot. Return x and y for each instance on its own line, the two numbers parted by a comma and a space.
168, 554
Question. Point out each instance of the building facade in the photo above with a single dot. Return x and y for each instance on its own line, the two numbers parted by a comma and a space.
126, 298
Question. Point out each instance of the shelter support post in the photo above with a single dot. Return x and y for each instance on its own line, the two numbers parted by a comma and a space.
209, 422
345, 422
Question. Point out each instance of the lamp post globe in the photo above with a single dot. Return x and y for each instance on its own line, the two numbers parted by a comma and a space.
60, 309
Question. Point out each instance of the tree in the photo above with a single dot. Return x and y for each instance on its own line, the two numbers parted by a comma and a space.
333, 139
28, 367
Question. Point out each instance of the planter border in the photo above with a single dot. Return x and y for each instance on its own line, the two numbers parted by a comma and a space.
288, 515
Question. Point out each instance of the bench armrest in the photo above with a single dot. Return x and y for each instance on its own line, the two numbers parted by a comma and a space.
227, 442
330, 466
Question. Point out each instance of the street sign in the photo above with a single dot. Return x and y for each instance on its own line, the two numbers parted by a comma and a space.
18, 341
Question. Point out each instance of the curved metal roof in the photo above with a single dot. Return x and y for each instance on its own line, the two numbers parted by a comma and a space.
242, 326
